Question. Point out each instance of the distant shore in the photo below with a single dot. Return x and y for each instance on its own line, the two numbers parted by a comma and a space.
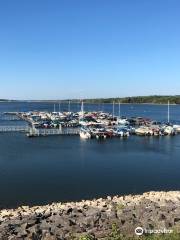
86, 102
97, 218
152, 99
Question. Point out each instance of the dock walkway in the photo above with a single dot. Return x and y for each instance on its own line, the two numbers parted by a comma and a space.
14, 128
40, 131
53, 131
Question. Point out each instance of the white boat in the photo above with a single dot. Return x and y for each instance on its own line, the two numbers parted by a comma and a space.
122, 132
143, 131
177, 128
169, 130
84, 134
122, 121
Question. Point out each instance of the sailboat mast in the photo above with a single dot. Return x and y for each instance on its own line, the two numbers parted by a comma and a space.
69, 106
119, 109
59, 106
168, 112
82, 108
113, 110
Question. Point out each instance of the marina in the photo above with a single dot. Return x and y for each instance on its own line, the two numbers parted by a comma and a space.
88, 124
74, 168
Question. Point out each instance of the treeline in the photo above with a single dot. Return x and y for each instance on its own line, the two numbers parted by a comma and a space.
155, 99
138, 99
7, 100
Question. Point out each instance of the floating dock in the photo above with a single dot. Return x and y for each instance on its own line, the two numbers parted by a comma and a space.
35, 132
14, 129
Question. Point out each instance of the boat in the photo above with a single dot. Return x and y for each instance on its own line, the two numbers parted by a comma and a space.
99, 132
169, 130
121, 132
144, 131
177, 128
84, 134
122, 121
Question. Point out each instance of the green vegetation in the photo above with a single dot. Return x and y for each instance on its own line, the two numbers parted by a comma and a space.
115, 234
155, 99
139, 99
86, 237
6, 100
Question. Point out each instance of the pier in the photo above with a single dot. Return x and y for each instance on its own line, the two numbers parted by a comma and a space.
9, 116
40, 131
35, 132
14, 129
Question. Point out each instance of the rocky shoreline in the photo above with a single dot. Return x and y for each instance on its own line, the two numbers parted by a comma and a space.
152, 210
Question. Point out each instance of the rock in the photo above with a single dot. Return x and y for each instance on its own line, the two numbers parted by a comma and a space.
62, 221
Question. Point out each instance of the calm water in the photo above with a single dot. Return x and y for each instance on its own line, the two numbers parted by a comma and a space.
56, 168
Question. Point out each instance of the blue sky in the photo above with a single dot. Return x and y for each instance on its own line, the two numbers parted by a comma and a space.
56, 49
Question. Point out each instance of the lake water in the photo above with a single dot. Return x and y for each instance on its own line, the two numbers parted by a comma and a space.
64, 168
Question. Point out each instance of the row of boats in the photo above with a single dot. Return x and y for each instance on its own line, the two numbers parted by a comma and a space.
101, 132
99, 124
123, 127
126, 131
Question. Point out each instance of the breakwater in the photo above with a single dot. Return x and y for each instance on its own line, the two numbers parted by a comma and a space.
95, 218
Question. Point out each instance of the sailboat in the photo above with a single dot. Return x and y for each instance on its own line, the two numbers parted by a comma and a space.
169, 129
69, 106
113, 110
82, 121
54, 108
81, 113
121, 121
176, 127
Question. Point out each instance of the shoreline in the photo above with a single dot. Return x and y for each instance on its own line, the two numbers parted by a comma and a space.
150, 210
66, 102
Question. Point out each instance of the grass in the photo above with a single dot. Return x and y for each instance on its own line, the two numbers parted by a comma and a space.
86, 237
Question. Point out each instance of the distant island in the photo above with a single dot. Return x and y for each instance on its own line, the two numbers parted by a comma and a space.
154, 99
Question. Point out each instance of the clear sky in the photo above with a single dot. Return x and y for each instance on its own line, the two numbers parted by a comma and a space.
55, 49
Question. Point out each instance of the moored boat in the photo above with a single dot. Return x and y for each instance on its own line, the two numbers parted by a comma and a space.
177, 128
169, 130
144, 131
85, 134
